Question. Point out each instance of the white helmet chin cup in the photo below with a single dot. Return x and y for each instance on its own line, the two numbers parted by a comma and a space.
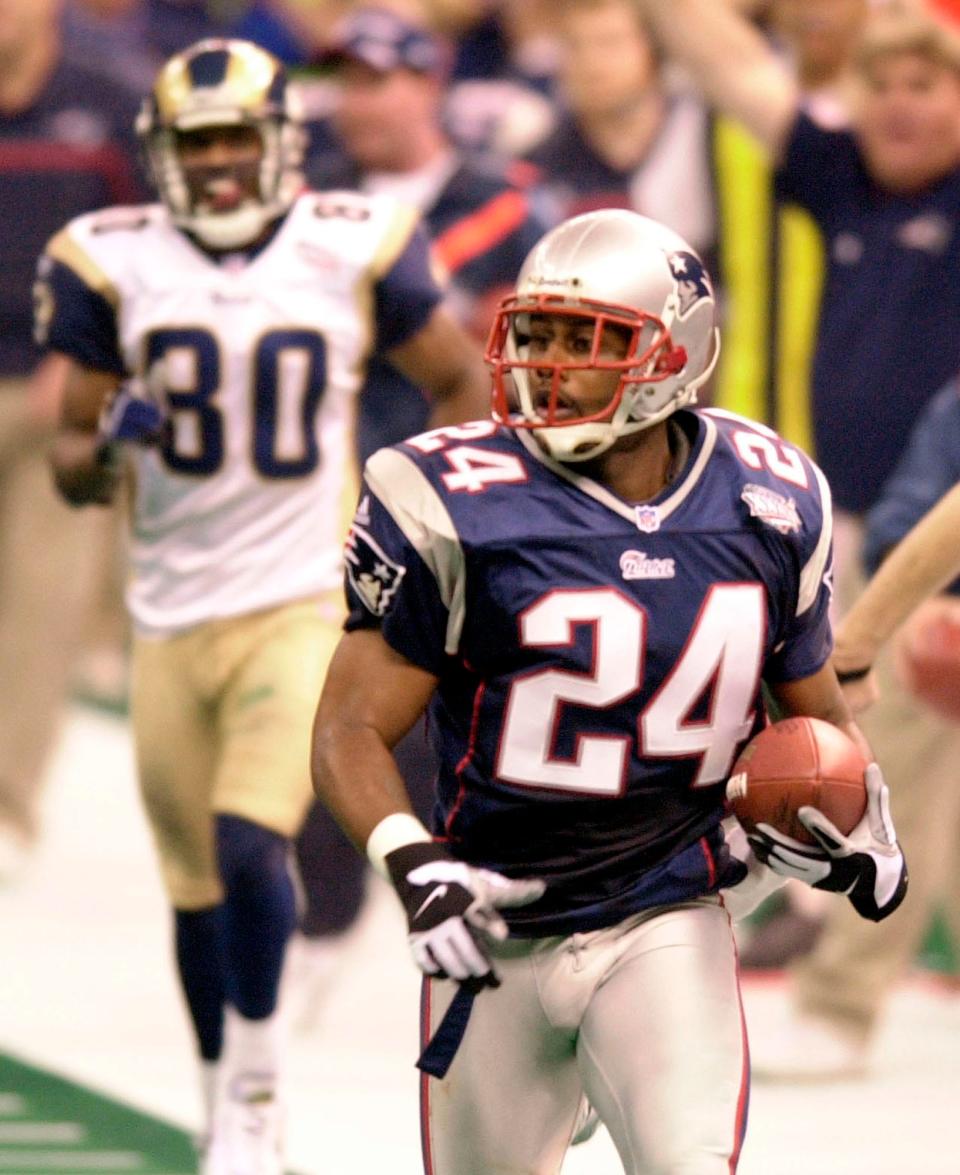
638, 271
228, 230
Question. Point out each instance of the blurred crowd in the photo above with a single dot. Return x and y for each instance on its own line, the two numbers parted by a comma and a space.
497, 120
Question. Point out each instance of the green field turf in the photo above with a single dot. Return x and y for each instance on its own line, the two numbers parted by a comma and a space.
52, 1125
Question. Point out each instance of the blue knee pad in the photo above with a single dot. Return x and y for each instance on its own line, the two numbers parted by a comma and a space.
259, 912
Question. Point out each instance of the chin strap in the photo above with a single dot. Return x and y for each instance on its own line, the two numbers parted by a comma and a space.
438, 1054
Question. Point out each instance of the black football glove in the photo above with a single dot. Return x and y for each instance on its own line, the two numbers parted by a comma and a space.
867, 865
451, 907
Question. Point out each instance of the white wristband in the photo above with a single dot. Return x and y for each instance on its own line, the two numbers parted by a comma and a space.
393, 832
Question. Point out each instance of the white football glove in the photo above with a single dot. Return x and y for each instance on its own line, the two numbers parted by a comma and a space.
760, 881
451, 907
867, 865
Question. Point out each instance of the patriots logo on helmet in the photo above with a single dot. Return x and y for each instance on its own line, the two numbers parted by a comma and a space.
691, 278
373, 575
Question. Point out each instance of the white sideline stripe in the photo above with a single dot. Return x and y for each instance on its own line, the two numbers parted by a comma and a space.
32, 1133
64, 1160
12, 1105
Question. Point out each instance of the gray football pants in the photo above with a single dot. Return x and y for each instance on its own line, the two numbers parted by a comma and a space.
643, 1017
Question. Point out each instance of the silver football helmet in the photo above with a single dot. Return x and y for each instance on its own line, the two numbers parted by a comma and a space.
616, 268
219, 83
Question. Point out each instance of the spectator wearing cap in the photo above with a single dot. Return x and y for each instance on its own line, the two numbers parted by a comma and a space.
391, 74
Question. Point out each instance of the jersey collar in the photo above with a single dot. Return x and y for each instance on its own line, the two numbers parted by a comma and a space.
670, 498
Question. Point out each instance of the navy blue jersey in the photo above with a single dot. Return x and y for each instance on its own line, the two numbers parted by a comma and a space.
599, 662
70, 151
579, 179
887, 339
670, 183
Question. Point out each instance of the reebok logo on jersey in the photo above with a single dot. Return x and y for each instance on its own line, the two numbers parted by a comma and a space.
636, 565
772, 508
320, 258
373, 575
230, 298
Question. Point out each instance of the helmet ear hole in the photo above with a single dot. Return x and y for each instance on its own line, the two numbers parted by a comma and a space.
672, 361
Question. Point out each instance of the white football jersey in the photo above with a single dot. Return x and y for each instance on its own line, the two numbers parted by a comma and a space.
244, 504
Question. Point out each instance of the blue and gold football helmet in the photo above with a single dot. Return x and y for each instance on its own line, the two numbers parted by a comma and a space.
223, 83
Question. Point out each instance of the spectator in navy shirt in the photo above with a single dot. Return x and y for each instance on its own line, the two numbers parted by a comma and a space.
130, 39
886, 195
624, 138
66, 146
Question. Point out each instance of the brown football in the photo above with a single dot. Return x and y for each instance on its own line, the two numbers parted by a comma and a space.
795, 762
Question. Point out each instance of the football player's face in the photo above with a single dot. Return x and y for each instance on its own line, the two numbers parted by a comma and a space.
563, 339
909, 120
221, 165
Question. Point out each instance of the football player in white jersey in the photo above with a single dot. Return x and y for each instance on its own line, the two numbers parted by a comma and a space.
588, 591
217, 340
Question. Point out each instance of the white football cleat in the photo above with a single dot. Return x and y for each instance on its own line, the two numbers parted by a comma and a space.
808, 1048
248, 1129
213, 1157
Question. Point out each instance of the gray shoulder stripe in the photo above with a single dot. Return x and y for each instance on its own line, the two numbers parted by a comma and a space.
813, 571
418, 510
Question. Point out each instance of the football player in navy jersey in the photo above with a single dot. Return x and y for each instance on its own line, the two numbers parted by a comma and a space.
587, 591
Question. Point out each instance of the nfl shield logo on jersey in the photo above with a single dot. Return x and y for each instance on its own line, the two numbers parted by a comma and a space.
374, 576
648, 518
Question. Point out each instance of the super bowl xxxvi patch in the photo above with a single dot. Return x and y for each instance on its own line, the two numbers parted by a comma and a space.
772, 508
